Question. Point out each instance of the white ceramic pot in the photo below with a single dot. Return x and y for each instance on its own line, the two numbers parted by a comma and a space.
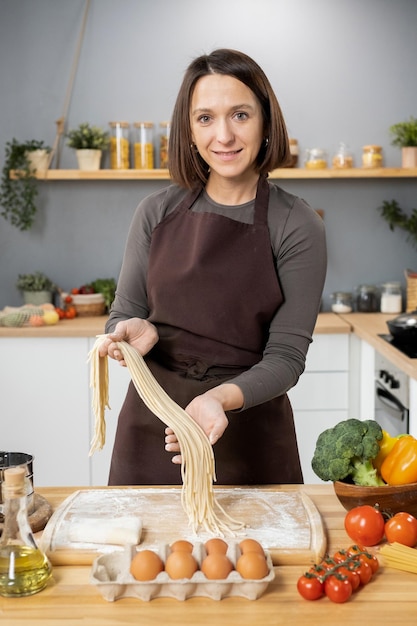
38, 160
409, 157
89, 159
37, 297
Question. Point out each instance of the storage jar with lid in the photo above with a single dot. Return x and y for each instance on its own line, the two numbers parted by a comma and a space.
372, 156
343, 158
342, 302
165, 128
316, 159
119, 146
143, 146
367, 299
391, 298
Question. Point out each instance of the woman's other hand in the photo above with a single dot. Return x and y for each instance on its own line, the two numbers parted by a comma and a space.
139, 333
208, 411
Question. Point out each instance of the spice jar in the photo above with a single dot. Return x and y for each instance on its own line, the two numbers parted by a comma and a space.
391, 298
372, 156
163, 144
143, 146
316, 158
367, 299
119, 145
342, 302
343, 158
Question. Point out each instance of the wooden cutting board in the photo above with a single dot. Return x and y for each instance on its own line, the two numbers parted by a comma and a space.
287, 524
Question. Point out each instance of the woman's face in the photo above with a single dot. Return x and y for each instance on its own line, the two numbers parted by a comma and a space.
226, 125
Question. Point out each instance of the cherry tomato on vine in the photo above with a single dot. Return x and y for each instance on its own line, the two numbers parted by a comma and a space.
364, 572
365, 524
352, 576
402, 528
371, 559
337, 589
310, 587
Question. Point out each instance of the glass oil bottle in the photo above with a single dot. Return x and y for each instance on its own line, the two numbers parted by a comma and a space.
24, 568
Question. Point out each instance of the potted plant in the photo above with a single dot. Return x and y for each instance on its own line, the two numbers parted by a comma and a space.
404, 135
397, 218
89, 143
18, 189
36, 288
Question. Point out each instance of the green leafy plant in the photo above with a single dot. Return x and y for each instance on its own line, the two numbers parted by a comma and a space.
35, 282
397, 218
18, 193
404, 134
107, 288
87, 137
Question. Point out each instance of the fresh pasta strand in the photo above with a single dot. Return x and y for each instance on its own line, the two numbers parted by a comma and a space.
198, 464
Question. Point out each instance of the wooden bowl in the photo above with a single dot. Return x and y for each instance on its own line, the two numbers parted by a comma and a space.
390, 498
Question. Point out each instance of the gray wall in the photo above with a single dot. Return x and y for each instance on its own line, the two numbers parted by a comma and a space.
343, 70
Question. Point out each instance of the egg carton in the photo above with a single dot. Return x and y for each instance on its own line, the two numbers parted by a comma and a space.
110, 573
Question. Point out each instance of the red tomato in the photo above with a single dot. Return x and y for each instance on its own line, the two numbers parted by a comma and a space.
365, 524
75, 291
402, 528
68, 299
310, 587
352, 576
337, 590
340, 556
371, 560
364, 572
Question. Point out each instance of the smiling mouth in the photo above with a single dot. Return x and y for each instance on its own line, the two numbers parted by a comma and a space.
227, 155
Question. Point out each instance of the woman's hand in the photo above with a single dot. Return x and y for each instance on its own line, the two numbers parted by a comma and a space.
208, 410
139, 333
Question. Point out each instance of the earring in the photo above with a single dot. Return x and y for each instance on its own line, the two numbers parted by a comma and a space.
266, 141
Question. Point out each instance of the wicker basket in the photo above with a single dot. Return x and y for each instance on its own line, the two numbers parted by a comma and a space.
90, 309
411, 290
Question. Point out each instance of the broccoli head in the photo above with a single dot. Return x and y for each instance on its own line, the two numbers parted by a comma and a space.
347, 450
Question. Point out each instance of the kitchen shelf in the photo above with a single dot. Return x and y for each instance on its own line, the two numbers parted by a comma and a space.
286, 173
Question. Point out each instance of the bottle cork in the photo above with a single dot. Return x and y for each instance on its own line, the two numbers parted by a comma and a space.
14, 481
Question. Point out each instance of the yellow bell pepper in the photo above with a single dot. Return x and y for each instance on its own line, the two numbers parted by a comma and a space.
386, 444
400, 465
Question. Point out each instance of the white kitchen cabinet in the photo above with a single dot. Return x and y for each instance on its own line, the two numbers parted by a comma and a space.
43, 406
321, 397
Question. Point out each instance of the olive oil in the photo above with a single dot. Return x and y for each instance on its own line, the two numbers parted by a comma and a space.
24, 568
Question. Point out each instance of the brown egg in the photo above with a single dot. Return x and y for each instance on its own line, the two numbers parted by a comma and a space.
180, 564
216, 566
181, 546
146, 565
252, 565
216, 546
251, 545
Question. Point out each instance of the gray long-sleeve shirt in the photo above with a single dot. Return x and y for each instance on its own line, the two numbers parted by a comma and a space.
299, 247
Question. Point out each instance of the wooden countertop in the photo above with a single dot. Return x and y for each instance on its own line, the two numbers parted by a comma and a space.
390, 598
91, 326
368, 326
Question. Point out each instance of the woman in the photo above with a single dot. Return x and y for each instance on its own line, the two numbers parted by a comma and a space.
220, 285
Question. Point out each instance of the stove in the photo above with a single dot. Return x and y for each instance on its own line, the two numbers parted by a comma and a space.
409, 351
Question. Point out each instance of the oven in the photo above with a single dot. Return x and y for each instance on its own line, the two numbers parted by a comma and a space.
392, 394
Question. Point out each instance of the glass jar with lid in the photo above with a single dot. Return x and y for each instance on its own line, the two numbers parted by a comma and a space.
372, 156
343, 158
315, 159
165, 128
341, 302
119, 146
391, 298
367, 299
143, 146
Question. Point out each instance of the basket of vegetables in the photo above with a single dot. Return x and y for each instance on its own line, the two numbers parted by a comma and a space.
368, 466
91, 299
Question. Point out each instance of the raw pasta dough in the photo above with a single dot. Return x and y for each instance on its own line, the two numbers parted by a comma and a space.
198, 465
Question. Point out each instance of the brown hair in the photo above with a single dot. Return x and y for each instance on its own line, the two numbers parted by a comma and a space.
186, 166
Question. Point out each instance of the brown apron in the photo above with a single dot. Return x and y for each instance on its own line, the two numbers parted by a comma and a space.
212, 292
